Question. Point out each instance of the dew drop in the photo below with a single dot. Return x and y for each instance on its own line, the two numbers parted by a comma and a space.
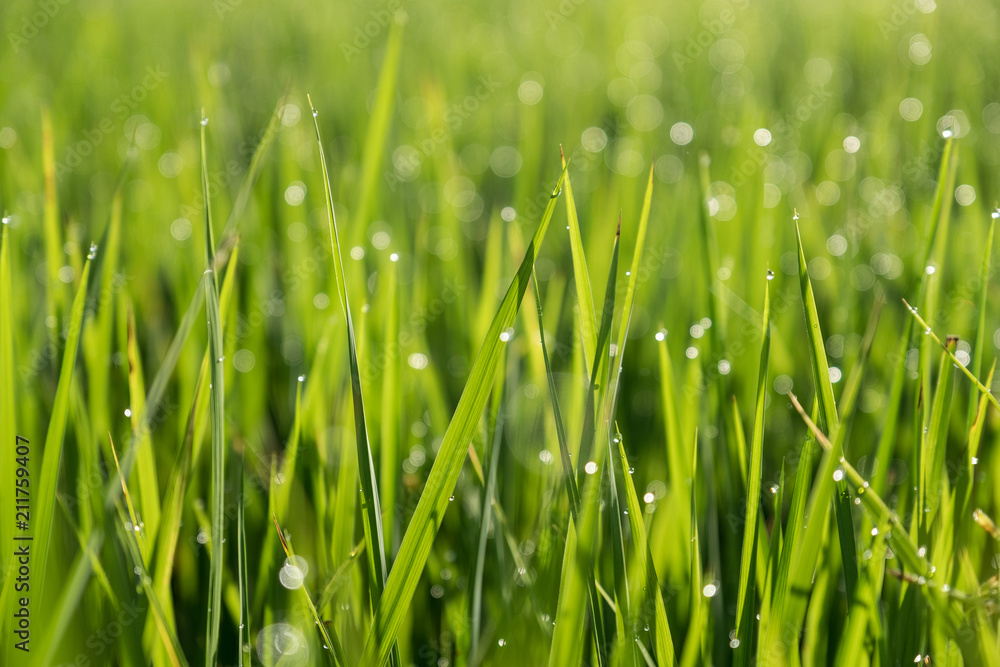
315, 113
6, 219
795, 215
770, 274
93, 251
451, 498
302, 378
204, 122
734, 643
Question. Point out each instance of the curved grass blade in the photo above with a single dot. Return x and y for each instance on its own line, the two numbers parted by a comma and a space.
497, 417
827, 415
334, 651
146, 478
647, 570
253, 171
748, 562
433, 503
278, 499
888, 438
378, 130
590, 469
52, 453
581, 276
371, 511
965, 371
134, 545
573, 577
977, 349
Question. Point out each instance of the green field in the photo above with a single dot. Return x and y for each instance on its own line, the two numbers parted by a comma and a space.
519, 333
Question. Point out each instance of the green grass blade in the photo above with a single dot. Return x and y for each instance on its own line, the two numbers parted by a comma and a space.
389, 427
371, 511
378, 129
932, 452
257, 162
567, 464
51, 227
52, 452
217, 394
146, 478
590, 469
983, 389
245, 633
581, 276
81, 569
8, 414
661, 633
497, 417
444, 473
981, 335
827, 414
745, 617
633, 274
332, 647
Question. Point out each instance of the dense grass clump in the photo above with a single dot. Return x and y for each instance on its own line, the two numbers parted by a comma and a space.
536, 333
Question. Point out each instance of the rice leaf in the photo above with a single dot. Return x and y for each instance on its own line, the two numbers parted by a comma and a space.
444, 473
371, 510
745, 617
44, 501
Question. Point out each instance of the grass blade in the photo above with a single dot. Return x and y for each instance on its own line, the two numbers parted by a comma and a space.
8, 414
581, 277
371, 511
433, 503
52, 453
745, 618
217, 395
827, 415
647, 570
